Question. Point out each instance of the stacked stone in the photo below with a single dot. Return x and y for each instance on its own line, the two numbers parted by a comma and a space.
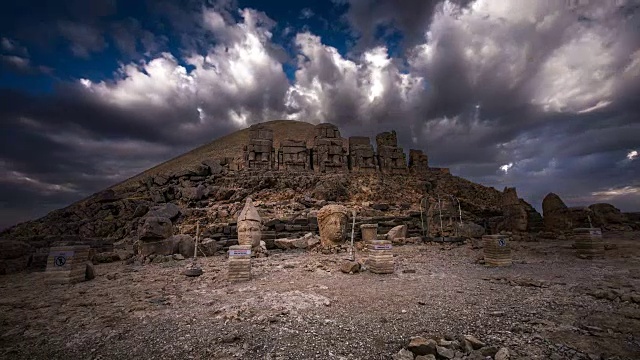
67, 264
391, 158
362, 158
239, 263
381, 257
418, 161
497, 251
369, 232
588, 243
293, 155
329, 155
259, 153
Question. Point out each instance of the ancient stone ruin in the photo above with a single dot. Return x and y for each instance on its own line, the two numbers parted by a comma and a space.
330, 153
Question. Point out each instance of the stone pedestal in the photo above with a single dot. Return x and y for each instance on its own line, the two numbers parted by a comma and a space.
369, 232
497, 251
259, 153
362, 158
67, 264
381, 257
293, 156
329, 155
239, 263
588, 243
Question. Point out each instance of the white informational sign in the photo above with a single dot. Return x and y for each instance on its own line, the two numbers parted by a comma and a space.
502, 243
382, 247
239, 252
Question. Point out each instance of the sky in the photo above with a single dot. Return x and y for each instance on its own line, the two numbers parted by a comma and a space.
540, 95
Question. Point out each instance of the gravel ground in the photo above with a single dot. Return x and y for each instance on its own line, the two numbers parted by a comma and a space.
548, 305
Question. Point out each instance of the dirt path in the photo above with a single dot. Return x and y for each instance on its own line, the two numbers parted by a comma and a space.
548, 305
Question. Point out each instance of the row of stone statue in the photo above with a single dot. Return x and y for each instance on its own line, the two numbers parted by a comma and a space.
328, 153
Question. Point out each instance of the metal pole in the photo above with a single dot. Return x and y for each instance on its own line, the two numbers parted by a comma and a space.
353, 229
195, 250
440, 210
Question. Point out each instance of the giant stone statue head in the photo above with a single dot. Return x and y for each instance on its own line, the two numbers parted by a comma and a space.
332, 221
249, 225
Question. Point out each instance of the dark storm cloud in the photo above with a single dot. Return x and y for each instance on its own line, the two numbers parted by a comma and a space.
369, 19
547, 93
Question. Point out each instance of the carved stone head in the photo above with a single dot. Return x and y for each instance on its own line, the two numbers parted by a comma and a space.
249, 225
332, 221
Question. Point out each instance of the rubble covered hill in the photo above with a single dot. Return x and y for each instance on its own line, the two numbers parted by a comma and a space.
291, 169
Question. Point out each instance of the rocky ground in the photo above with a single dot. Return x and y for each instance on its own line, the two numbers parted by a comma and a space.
548, 305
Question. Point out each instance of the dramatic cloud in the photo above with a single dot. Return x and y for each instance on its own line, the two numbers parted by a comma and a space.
532, 94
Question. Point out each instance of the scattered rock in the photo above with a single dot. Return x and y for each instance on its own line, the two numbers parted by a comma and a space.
90, 272
399, 231
422, 346
350, 267
475, 343
445, 353
403, 354
426, 357
502, 354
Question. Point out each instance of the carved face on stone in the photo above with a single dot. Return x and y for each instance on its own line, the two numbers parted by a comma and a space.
249, 225
332, 221
249, 233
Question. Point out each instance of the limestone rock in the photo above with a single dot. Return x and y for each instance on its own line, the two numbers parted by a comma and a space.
425, 357
445, 353
514, 212
470, 230
475, 343
555, 213
186, 245
422, 346
332, 221
207, 247
399, 231
90, 271
403, 354
193, 193
10, 249
606, 214
106, 257
161, 247
155, 228
169, 211
502, 354
349, 267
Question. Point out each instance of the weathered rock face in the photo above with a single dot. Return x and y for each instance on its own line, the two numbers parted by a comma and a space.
168, 246
607, 216
329, 155
259, 153
470, 230
418, 161
155, 228
555, 213
332, 221
391, 158
249, 225
515, 214
14, 256
362, 158
293, 155
397, 232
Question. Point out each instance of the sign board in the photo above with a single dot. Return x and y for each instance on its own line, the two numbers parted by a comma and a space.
597, 232
239, 252
61, 259
502, 243
382, 247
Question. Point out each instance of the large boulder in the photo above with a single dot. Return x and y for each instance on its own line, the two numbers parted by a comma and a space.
168, 246
155, 228
555, 213
186, 245
14, 256
514, 212
397, 232
207, 247
470, 230
606, 214
193, 193
169, 211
